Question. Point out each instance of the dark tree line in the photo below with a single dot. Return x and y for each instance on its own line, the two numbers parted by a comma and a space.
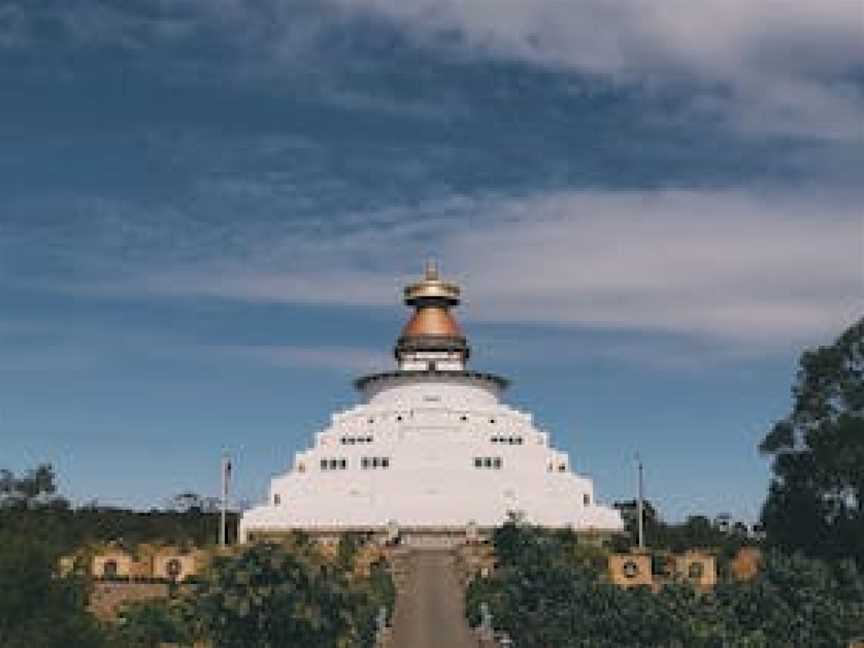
31, 507
697, 531
262, 596
549, 591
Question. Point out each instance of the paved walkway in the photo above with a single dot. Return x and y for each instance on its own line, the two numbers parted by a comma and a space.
430, 610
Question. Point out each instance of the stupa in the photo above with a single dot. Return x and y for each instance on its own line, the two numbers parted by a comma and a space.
431, 454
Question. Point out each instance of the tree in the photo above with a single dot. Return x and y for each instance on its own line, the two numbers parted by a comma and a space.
816, 499
36, 488
542, 597
149, 624
269, 596
37, 608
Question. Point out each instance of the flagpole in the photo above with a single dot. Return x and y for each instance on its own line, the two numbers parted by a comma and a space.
223, 515
640, 513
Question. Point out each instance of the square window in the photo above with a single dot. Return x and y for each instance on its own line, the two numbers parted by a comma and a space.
496, 463
487, 462
385, 462
334, 464
277, 500
368, 439
324, 464
364, 463
343, 464
375, 462
478, 462
586, 499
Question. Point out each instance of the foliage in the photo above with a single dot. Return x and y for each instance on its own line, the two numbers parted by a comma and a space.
148, 624
544, 595
816, 500
696, 531
268, 596
36, 487
30, 507
37, 608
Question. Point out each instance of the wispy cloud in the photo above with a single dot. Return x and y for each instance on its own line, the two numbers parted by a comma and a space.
342, 359
787, 66
777, 66
724, 265
766, 270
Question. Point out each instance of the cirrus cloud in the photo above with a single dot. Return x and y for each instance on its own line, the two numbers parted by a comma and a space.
758, 270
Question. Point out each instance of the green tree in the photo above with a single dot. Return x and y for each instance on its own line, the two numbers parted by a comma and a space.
268, 597
34, 489
543, 596
148, 624
38, 608
816, 499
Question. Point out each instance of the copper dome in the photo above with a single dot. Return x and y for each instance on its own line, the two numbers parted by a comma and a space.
432, 320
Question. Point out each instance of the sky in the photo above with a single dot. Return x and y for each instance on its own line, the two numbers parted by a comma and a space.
208, 209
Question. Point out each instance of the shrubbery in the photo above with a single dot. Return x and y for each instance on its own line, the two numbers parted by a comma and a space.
544, 594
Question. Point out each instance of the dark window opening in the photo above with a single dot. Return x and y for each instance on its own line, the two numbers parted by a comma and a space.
174, 568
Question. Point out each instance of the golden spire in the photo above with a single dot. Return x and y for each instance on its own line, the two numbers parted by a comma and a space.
431, 288
432, 327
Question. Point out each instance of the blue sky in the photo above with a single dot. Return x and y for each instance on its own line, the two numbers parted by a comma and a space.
208, 207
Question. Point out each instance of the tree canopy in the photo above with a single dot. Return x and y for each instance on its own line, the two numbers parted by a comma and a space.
544, 593
269, 596
816, 499
38, 608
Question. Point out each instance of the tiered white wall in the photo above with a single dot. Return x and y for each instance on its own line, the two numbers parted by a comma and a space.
431, 429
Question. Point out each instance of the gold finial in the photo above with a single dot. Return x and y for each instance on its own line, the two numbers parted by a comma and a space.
431, 269
431, 287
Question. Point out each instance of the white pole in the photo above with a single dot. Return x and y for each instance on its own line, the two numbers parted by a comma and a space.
640, 507
224, 512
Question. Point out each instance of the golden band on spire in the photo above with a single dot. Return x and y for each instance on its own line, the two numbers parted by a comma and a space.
431, 287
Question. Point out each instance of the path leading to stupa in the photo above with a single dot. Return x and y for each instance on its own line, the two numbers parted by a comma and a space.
430, 607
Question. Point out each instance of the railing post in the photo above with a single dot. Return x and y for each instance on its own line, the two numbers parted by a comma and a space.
381, 626
487, 629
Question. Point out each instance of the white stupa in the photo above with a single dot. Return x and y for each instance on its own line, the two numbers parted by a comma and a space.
432, 449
